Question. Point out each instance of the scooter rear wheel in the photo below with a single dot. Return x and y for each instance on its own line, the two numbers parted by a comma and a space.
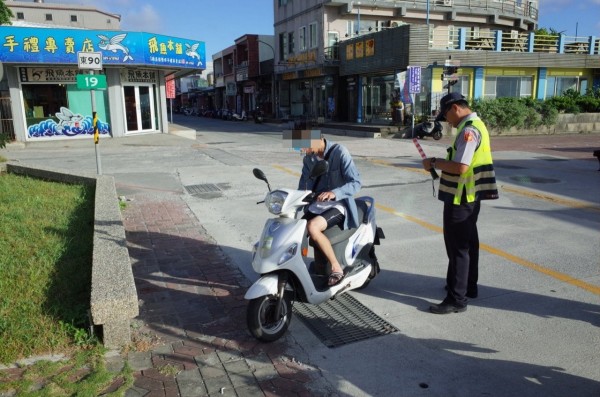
437, 135
261, 318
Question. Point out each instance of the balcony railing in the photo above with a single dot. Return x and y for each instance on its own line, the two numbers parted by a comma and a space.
517, 8
515, 41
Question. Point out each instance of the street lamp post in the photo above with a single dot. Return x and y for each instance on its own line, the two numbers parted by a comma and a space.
273, 104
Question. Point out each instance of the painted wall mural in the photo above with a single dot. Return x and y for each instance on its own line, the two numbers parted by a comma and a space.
70, 125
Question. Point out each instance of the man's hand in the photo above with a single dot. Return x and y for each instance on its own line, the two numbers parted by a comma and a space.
427, 163
326, 196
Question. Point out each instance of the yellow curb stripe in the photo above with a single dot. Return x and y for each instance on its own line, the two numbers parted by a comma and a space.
549, 272
503, 254
553, 199
286, 170
388, 164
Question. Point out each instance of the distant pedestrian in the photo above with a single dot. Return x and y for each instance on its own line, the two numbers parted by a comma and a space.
467, 178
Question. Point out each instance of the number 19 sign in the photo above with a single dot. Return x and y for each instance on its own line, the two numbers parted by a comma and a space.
91, 81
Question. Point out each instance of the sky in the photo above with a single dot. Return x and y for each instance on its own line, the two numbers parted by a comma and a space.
219, 22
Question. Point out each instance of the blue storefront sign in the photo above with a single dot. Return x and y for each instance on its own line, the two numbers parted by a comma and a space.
40, 45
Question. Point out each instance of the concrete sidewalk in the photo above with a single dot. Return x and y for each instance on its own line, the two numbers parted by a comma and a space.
192, 315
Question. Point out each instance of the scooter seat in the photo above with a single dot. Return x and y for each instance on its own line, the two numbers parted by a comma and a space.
337, 234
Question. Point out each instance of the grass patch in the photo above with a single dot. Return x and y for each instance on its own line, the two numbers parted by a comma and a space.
45, 282
45, 265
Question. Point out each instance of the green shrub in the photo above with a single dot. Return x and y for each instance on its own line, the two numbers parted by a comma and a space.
503, 113
588, 104
4, 139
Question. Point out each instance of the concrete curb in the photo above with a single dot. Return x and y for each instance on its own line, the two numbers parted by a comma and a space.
113, 300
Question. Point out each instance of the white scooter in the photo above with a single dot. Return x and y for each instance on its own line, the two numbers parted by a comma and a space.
287, 274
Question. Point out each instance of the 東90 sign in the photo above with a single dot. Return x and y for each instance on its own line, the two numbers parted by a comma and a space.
89, 60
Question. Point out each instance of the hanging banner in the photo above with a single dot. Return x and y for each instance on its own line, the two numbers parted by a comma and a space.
414, 79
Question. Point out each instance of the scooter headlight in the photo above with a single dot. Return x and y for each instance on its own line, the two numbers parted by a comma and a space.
288, 254
275, 200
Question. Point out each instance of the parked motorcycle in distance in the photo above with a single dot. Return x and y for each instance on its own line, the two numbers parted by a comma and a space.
258, 116
281, 258
239, 117
226, 114
430, 128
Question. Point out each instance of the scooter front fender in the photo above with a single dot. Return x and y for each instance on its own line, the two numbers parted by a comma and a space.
266, 285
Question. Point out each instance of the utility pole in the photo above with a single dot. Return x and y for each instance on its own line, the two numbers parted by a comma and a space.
274, 107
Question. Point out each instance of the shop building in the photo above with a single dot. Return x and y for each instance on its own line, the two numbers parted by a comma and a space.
352, 58
40, 96
244, 75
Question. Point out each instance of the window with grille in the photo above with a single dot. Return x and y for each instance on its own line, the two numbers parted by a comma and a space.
313, 35
508, 86
302, 38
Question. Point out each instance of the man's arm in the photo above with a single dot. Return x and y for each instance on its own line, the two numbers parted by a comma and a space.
305, 182
351, 177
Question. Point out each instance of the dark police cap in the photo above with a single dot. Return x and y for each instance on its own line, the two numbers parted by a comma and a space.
446, 102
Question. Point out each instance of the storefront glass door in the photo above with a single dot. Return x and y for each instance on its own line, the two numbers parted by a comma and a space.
139, 108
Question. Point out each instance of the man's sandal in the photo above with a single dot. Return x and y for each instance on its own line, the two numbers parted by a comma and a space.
335, 278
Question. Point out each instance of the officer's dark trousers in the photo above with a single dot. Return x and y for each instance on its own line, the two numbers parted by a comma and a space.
462, 247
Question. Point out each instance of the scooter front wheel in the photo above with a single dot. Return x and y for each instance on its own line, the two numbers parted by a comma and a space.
262, 319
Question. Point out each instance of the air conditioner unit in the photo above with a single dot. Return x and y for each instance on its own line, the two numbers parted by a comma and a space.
395, 24
448, 3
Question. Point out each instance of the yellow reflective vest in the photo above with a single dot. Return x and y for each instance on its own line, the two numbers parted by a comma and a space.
479, 181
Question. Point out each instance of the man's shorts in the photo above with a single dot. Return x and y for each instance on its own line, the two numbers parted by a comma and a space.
332, 216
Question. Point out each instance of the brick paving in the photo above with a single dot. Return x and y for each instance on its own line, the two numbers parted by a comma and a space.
192, 309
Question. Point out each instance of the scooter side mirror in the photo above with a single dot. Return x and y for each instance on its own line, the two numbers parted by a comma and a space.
259, 174
319, 169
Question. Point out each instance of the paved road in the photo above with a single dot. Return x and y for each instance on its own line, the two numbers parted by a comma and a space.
534, 328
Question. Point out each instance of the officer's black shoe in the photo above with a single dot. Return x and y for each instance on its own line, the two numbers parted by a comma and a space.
446, 308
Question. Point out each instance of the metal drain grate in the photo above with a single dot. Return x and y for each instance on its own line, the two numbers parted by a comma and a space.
204, 188
342, 321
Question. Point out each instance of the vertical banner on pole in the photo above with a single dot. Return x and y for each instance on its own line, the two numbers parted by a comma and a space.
170, 88
412, 86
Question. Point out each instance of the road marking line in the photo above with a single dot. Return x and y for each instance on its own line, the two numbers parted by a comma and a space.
388, 164
503, 254
553, 199
286, 170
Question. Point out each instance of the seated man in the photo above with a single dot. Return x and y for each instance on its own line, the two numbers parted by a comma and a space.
335, 200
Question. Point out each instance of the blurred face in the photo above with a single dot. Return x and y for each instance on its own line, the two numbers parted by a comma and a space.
304, 141
315, 147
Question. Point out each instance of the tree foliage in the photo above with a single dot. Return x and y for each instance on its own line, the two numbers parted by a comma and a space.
5, 14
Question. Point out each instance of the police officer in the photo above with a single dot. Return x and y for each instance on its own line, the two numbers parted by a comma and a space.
467, 178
